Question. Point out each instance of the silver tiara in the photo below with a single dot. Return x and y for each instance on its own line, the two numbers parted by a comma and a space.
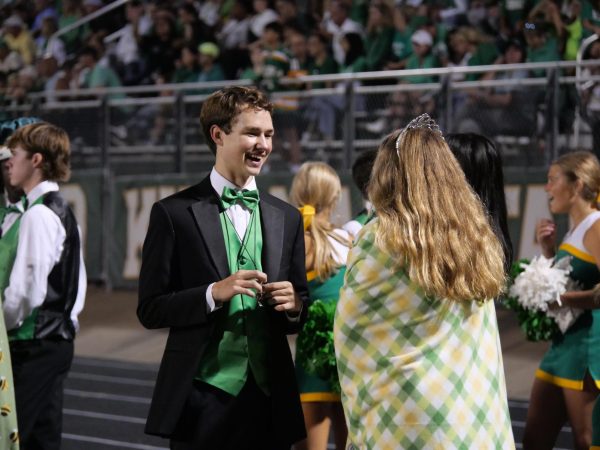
419, 122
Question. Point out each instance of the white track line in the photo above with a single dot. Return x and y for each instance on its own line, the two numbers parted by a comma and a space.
110, 379
115, 365
105, 396
120, 444
96, 415
518, 404
519, 445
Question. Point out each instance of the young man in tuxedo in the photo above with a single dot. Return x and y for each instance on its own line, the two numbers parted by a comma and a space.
223, 269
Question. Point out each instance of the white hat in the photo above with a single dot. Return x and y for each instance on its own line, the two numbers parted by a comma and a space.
14, 21
422, 37
5, 153
414, 3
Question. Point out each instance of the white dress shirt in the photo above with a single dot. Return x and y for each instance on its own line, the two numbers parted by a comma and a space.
41, 241
237, 213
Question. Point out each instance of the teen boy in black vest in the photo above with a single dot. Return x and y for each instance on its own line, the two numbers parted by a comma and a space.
47, 284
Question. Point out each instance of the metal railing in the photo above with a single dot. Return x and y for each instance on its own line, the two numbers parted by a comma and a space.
131, 129
580, 82
156, 130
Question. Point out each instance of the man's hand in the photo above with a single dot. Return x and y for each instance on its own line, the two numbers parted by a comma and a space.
247, 282
282, 297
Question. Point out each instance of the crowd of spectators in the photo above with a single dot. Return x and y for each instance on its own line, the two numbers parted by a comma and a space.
180, 41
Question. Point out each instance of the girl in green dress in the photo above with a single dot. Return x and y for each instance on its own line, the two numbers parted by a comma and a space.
568, 380
316, 189
415, 332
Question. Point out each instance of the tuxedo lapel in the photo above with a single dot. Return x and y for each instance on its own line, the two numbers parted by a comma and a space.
206, 213
272, 225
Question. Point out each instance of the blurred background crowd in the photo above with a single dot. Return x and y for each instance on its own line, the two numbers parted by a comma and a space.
161, 42
157, 41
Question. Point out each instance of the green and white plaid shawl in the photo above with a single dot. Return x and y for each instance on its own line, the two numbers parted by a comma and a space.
416, 372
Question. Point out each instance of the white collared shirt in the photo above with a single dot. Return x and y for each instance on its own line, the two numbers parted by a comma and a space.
238, 213
41, 241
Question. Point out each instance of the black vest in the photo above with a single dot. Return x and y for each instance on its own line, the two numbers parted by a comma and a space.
54, 315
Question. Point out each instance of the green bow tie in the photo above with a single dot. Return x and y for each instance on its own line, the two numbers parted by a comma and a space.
231, 197
14, 208
10, 209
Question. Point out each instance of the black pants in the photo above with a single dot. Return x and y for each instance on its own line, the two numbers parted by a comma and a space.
214, 420
39, 370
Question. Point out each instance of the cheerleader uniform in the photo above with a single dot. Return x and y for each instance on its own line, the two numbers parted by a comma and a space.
311, 387
577, 351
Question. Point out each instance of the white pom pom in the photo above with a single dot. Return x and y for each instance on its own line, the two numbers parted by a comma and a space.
542, 283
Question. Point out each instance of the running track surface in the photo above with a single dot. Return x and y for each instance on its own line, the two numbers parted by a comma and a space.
106, 403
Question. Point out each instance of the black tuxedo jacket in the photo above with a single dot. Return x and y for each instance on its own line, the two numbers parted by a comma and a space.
184, 252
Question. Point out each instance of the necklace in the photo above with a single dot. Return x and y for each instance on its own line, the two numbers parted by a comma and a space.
244, 252
241, 258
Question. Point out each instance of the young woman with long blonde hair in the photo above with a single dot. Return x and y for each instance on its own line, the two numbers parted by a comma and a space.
316, 190
416, 338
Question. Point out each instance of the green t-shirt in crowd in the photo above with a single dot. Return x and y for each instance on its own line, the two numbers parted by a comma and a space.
103, 76
546, 52
276, 66
215, 73
417, 21
485, 54
513, 11
72, 38
250, 74
359, 65
429, 62
185, 75
588, 12
359, 11
378, 46
401, 44
326, 67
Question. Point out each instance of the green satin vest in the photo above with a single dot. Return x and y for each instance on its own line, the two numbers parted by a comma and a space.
240, 337
8, 252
